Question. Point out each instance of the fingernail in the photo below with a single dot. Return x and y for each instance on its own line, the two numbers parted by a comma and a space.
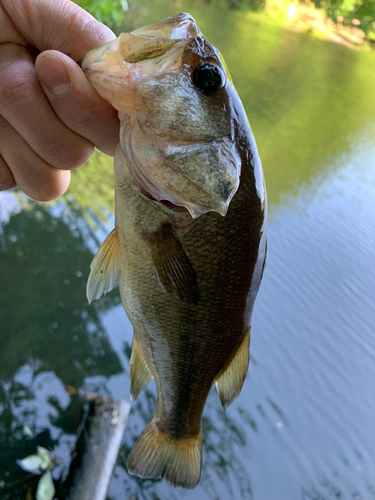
9, 53
53, 74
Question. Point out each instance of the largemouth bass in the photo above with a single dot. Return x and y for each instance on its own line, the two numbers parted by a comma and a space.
189, 244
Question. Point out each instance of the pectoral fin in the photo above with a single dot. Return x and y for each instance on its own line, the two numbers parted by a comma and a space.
104, 268
172, 265
140, 374
229, 383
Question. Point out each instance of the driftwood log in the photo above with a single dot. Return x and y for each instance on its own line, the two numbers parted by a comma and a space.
97, 448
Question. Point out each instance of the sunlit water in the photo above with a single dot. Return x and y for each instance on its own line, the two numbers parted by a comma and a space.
304, 424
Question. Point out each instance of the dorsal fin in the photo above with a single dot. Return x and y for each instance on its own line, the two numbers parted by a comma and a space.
230, 381
140, 374
172, 265
104, 268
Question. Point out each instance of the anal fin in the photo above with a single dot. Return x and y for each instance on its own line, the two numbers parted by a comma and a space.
230, 382
157, 454
140, 374
104, 268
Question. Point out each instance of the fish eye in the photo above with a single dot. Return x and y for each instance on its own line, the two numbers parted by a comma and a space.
208, 78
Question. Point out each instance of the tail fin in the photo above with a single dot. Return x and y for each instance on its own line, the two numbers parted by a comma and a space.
157, 454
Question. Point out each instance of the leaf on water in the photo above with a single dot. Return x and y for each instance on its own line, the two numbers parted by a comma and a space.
27, 431
32, 463
46, 488
38, 462
45, 456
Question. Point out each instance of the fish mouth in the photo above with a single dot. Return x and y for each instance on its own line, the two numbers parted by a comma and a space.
147, 43
115, 68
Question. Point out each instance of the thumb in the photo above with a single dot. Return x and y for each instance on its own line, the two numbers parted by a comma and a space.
76, 102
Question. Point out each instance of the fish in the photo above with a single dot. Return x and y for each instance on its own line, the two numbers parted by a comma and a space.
189, 245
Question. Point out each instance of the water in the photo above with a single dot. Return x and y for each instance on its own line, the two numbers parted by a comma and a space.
303, 426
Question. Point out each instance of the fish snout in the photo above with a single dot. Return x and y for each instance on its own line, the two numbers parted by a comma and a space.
109, 75
116, 68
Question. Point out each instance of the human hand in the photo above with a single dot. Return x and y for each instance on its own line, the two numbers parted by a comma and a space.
50, 116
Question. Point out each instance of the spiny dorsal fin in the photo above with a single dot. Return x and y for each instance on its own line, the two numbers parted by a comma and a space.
140, 374
158, 454
229, 383
104, 268
172, 265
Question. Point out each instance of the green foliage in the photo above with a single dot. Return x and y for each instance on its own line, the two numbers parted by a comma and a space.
254, 5
109, 12
97, 173
112, 12
346, 11
339, 11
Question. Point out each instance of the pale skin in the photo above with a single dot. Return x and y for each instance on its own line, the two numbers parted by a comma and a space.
51, 118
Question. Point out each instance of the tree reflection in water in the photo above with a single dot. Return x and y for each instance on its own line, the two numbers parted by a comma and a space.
50, 337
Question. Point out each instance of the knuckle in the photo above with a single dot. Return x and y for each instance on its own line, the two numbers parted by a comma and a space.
7, 184
66, 156
56, 187
14, 90
51, 184
15, 75
6, 177
82, 21
50, 192
90, 116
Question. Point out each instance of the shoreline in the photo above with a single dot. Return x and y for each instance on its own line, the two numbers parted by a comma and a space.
302, 17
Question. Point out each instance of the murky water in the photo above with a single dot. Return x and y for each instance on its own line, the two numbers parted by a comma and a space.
304, 424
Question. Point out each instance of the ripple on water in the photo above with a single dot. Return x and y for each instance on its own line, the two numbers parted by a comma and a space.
314, 334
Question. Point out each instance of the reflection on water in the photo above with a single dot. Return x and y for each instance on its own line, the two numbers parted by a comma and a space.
302, 427
49, 336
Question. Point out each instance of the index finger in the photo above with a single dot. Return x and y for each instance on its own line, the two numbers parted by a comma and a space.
60, 25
